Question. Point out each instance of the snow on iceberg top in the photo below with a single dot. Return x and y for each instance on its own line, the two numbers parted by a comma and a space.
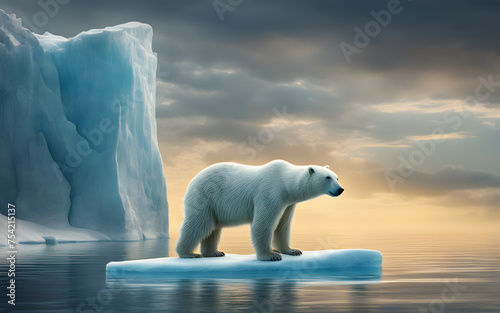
139, 31
355, 262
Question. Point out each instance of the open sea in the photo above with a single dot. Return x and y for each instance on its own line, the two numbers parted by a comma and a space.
421, 273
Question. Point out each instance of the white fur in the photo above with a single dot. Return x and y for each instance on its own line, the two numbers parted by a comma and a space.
229, 194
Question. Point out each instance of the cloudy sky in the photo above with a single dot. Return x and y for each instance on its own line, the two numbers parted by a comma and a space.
401, 99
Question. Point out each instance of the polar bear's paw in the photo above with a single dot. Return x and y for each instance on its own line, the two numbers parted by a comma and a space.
270, 257
191, 256
293, 252
289, 251
214, 254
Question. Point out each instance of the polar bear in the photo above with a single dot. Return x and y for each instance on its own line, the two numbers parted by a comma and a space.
229, 194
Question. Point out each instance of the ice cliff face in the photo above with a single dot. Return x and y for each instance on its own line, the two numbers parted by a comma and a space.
78, 143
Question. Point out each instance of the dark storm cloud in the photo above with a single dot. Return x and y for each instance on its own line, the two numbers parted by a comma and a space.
489, 201
448, 179
273, 42
248, 98
283, 41
444, 186
228, 130
425, 34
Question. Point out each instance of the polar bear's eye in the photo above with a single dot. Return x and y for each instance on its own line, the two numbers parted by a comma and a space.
328, 177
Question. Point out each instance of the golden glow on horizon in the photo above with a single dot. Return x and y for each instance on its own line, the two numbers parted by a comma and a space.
382, 212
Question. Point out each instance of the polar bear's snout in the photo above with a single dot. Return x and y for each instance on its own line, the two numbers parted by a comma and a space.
336, 193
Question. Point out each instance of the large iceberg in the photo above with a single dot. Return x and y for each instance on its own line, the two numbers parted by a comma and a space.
78, 142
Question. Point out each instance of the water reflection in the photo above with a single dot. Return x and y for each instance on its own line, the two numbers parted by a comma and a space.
246, 295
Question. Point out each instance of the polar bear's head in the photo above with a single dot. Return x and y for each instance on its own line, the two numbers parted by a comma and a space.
325, 181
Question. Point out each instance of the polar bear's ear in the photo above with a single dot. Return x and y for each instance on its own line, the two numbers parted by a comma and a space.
327, 166
311, 171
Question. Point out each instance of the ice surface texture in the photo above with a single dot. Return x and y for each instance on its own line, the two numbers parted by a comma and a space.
78, 131
350, 263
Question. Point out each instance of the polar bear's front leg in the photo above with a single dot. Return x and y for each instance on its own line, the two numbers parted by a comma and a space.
261, 240
281, 238
263, 224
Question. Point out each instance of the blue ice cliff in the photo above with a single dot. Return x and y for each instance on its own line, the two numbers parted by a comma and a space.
79, 155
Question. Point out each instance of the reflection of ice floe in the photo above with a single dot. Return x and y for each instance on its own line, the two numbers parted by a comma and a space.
242, 295
329, 265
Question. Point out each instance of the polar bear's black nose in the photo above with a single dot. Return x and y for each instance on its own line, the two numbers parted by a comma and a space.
340, 190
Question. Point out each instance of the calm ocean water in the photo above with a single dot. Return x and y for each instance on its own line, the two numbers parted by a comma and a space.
422, 273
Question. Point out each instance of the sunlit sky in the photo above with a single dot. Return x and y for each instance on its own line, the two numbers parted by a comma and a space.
271, 81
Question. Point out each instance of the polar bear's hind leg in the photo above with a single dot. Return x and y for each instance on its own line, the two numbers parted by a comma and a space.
192, 232
209, 244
